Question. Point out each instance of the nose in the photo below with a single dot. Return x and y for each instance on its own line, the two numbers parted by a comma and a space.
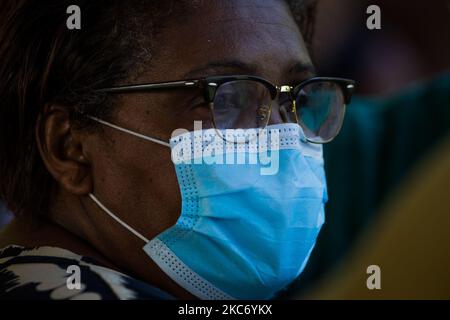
277, 116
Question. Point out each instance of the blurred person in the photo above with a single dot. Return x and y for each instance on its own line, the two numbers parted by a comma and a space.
86, 132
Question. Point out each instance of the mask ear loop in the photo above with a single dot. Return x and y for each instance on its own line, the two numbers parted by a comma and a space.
130, 132
112, 215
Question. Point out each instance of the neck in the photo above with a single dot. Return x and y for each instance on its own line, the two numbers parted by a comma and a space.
37, 231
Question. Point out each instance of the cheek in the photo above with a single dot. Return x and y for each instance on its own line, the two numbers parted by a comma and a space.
137, 180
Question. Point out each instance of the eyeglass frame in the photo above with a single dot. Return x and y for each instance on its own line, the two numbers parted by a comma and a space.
211, 84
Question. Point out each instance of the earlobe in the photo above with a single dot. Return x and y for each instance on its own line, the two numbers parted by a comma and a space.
62, 150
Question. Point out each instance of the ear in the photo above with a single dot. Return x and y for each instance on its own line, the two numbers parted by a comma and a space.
61, 148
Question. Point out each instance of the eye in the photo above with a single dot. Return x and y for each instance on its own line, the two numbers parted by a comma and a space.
196, 109
196, 102
228, 99
201, 103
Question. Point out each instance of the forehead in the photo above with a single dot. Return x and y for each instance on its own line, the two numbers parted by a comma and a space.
260, 34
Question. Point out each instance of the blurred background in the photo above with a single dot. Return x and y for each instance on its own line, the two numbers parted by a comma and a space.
5, 216
402, 111
400, 114
412, 45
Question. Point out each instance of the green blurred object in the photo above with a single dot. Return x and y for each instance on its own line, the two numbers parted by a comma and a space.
408, 244
382, 138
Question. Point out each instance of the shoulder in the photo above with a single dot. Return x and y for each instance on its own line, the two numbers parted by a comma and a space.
50, 273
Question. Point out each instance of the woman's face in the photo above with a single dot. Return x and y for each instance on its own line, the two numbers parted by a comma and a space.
135, 178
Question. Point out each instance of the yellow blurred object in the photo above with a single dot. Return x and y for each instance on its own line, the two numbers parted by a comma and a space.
410, 242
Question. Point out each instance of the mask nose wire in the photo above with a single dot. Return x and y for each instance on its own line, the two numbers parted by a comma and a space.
165, 144
112, 215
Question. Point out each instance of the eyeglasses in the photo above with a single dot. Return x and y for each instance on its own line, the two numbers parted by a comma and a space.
242, 102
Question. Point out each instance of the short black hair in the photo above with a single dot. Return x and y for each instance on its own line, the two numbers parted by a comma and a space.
41, 63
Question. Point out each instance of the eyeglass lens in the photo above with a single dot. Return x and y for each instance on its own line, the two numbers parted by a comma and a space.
319, 107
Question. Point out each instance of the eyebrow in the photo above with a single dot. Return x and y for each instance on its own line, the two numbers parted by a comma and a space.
240, 67
222, 66
302, 68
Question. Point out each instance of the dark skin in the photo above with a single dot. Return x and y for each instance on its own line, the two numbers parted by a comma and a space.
134, 178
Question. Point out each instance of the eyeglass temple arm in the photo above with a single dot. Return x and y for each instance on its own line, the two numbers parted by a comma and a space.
151, 86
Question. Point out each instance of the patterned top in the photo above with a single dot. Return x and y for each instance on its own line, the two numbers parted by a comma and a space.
50, 273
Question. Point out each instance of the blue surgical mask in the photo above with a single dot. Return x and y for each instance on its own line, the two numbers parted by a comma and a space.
244, 232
